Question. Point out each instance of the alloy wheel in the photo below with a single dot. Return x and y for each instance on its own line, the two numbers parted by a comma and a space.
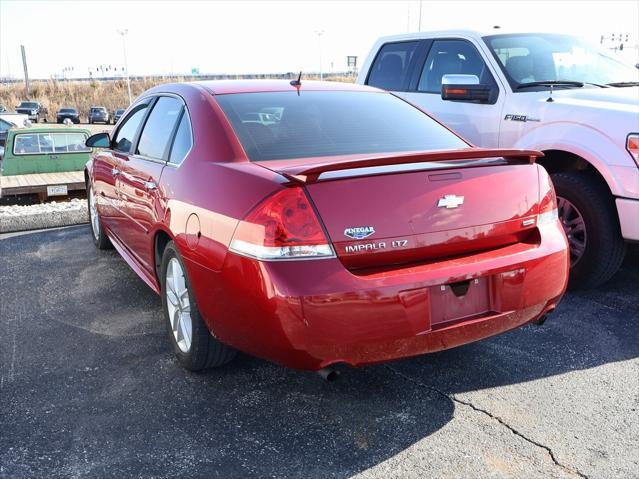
575, 228
179, 306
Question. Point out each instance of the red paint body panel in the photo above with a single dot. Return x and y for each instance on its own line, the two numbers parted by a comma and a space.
358, 307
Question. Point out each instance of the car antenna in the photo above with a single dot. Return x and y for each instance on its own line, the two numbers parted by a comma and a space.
550, 98
298, 82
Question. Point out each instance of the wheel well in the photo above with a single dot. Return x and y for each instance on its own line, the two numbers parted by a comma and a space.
558, 161
160, 242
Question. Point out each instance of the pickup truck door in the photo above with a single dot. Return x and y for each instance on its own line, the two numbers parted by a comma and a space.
479, 123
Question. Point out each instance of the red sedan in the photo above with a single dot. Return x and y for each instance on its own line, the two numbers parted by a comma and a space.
317, 223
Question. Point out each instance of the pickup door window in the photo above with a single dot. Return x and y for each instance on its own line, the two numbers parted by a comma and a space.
391, 68
452, 57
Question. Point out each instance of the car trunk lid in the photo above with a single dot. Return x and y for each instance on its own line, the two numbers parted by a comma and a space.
380, 211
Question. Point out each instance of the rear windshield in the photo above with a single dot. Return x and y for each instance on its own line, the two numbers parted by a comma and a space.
98, 110
283, 125
67, 110
28, 104
38, 143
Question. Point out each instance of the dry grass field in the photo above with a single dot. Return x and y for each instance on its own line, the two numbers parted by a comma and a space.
82, 95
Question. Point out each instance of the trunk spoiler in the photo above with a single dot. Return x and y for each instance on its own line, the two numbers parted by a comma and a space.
310, 173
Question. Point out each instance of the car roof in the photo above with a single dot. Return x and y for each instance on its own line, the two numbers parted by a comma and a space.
223, 87
464, 33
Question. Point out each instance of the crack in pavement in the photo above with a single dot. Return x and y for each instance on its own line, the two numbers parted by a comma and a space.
571, 470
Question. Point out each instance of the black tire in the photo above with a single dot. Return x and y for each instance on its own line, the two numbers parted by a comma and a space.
100, 240
605, 248
205, 351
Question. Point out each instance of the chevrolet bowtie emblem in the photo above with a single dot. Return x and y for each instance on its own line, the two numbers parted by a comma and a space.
450, 201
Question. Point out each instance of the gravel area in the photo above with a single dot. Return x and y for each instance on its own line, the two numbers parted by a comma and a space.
44, 215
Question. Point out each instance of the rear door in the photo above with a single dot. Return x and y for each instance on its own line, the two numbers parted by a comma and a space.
139, 180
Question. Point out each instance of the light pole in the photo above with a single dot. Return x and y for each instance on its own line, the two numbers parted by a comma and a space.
126, 67
419, 28
319, 34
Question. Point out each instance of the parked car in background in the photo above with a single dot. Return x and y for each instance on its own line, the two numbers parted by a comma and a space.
68, 113
2, 109
44, 150
345, 226
118, 113
33, 109
99, 114
549, 92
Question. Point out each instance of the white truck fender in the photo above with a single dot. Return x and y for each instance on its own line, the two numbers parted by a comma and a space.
586, 142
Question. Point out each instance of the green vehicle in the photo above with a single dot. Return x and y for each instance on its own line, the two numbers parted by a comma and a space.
45, 150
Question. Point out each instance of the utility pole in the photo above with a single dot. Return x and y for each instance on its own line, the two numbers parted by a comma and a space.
126, 67
26, 72
419, 28
319, 34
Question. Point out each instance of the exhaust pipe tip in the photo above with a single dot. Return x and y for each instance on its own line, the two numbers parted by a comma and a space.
328, 374
542, 319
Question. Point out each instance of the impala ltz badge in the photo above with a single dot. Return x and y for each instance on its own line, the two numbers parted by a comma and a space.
450, 201
359, 232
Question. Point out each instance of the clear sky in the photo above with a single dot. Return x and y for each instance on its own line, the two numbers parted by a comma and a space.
173, 36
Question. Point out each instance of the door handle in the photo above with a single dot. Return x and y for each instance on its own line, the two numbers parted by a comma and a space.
150, 185
115, 171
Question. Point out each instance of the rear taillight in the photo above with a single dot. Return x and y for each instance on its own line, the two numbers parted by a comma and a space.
282, 227
632, 145
548, 202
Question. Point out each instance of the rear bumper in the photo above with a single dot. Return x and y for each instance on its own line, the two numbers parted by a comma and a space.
310, 314
628, 210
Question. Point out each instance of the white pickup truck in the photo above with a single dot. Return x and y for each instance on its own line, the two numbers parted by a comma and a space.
549, 92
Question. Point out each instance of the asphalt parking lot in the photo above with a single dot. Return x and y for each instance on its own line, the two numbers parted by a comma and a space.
88, 389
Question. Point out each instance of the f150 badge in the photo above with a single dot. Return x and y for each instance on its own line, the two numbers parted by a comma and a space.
359, 232
450, 201
523, 118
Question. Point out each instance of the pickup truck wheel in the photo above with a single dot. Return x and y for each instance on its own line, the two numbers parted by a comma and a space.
589, 217
193, 344
100, 239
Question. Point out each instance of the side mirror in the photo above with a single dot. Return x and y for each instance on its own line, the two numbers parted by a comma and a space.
99, 140
467, 88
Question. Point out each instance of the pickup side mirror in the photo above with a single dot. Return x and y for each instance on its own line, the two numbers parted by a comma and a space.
467, 88
99, 140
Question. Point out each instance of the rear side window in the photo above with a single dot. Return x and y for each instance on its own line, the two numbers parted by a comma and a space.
183, 141
390, 68
448, 57
157, 131
283, 125
126, 134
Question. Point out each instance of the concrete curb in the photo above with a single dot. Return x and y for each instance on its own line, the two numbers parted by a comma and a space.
49, 219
